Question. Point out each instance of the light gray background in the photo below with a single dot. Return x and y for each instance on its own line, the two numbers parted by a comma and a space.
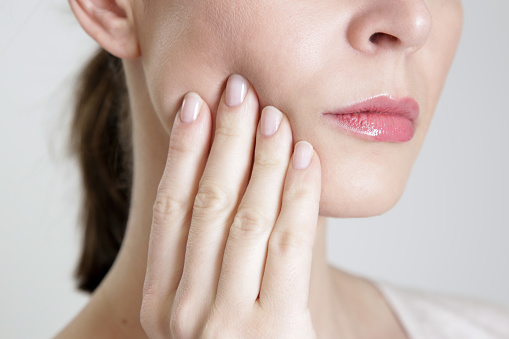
449, 233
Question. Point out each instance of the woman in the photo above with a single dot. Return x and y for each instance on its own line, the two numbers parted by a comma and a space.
243, 126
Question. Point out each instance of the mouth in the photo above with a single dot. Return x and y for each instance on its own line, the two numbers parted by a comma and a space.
381, 118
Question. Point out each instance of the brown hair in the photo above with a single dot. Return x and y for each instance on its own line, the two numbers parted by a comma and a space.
100, 141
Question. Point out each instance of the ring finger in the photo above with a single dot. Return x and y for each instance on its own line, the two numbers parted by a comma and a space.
246, 248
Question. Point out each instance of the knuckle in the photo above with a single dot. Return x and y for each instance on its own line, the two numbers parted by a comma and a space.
210, 200
297, 191
167, 205
248, 223
180, 322
149, 290
288, 243
227, 131
266, 160
180, 144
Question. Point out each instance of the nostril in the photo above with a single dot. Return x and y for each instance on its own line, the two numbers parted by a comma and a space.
374, 37
377, 38
398, 25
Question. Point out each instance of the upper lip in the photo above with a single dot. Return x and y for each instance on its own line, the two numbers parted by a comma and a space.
383, 104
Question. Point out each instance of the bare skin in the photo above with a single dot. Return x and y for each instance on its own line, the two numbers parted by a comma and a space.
185, 283
336, 299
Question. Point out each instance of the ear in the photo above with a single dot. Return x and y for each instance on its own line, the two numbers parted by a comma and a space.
110, 23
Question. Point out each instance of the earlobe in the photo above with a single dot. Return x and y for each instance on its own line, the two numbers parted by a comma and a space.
110, 24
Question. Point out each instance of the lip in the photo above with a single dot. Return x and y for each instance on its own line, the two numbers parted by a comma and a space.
381, 118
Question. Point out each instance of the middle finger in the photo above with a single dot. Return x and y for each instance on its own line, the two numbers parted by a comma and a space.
221, 188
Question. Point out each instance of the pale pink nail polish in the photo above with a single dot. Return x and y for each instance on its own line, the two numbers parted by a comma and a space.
190, 107
236, 89
302, 155
270, 121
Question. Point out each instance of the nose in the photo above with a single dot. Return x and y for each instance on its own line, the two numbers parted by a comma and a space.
390, 24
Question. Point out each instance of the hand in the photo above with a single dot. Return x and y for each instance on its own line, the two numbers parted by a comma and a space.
231, 241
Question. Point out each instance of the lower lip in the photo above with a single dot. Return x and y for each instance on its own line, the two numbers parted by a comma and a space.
376, 126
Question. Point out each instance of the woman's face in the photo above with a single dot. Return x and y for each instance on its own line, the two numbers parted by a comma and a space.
309, 57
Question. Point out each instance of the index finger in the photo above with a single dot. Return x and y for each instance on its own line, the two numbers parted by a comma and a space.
187, 153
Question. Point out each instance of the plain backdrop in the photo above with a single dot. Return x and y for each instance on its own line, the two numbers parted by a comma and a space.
449, 233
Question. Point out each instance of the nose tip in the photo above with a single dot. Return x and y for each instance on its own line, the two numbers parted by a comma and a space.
400, 24
418, 30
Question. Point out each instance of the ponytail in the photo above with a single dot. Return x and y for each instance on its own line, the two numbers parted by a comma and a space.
100, 141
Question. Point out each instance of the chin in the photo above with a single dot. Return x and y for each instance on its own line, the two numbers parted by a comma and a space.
361, 198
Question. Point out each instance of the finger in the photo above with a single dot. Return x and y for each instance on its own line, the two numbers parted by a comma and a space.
287, 272
188, 148
246, 247
221, 187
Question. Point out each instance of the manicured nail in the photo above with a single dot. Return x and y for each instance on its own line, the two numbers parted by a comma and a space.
236, 89
271, 118
302, 155
190, 107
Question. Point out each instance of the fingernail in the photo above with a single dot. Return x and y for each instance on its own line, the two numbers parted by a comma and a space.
190, 107
302, 155
236, 89
271, 118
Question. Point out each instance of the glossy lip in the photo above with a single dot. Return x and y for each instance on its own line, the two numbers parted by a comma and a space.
380, 118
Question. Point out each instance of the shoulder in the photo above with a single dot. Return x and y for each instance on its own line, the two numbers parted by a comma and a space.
431, 315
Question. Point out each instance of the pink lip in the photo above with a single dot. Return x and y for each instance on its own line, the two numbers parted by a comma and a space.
381, 118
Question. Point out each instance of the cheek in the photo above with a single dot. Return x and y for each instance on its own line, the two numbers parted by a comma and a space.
284, 56
292, 66
200, 59
181, 53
